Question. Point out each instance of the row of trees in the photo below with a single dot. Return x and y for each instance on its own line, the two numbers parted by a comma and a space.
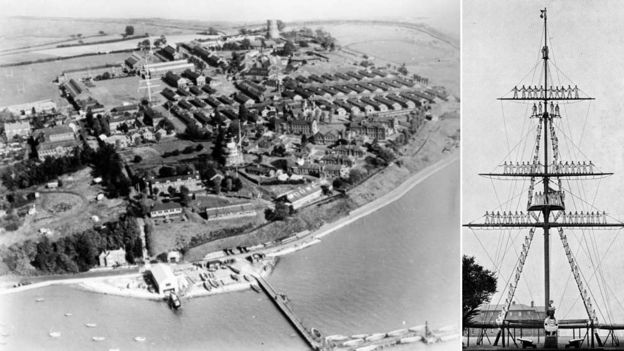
106, 163
75, 253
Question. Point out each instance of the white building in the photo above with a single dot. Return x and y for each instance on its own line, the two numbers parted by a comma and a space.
163, 278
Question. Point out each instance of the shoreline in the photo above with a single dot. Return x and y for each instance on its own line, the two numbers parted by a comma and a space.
388, 198
97, 284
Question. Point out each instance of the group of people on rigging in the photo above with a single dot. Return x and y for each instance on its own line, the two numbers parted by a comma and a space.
523, 218
536, 92
584, 218
556, 167
537, 109
506, 218
554, 198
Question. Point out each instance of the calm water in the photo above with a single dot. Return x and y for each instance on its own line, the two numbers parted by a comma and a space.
395, 268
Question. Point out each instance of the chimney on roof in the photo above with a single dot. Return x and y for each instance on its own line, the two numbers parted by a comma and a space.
532, 303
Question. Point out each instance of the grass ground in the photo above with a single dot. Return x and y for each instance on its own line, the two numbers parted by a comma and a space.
116, 92
167, 236
33, 82
152, 154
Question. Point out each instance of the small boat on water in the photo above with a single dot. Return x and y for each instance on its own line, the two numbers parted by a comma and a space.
448, 337
207, 286
353, 342
113, 349
418, 328
174, 301
367, 348
139, 338
397, 332
91, 325
337, 338
39, 299
447, 328
68, 314
255, 288
375, 337
410, 339
55, 334
213, 283
316, 333
429, 339
98, 338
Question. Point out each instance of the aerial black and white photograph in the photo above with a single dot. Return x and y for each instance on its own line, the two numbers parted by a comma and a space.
542, 174
239, 175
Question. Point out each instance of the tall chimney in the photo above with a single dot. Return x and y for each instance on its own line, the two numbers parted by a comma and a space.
532, 303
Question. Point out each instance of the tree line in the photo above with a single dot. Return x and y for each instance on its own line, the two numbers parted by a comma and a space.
74, 253
106, 163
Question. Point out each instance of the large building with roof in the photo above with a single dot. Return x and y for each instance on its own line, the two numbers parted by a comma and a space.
163, 278
230, 211
191, 181
303, 195
166, 209
27, 108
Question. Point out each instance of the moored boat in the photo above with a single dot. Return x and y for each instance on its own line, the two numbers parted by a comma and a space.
234, 277
418, 328
449, 337
174, 301
367, 348
397, 332
375, 337
337, 338
353, 342
410, 339
255, 288
207, 286
213, 283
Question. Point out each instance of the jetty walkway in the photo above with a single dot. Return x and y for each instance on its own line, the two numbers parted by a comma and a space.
280, 301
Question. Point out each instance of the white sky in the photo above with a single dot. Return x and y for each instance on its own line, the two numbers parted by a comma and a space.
445, 12
501, 43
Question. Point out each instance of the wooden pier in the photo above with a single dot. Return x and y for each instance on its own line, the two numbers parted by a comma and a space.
282, 304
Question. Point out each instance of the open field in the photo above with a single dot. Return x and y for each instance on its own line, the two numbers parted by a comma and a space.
116, 92
26, 31
66, 210
167, 236
152, 153
34, 82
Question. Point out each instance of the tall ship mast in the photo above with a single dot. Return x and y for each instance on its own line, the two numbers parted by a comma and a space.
546, 206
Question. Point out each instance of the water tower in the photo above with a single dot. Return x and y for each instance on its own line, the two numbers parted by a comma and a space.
272, 31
